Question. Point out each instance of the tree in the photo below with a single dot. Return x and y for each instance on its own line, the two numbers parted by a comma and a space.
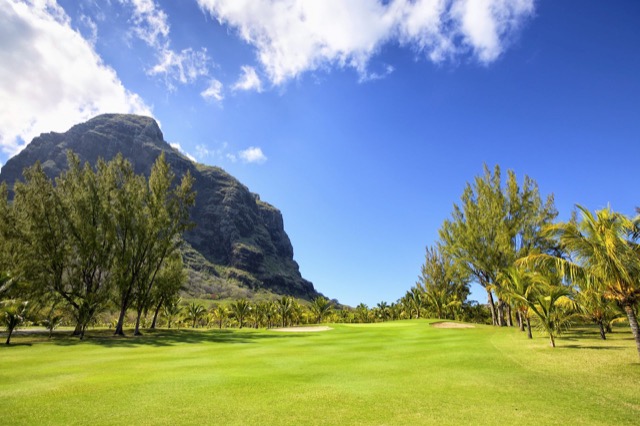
320, 308
151, 219
240, 310
495, 225
414, 302
443, 283
551, 306
169, 281
195, 312
285, 309
172, 309
220, 315
13, 313
602, 247
517, 287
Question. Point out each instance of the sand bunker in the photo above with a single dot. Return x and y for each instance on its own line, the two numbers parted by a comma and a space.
451, 325
302, 329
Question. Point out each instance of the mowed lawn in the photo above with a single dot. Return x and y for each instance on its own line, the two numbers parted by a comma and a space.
396, 373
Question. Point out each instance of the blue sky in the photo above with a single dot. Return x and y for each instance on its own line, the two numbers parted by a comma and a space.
360, 120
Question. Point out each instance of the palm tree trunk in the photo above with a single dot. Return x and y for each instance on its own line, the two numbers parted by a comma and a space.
529, 328
553, 341
633, 323
9, 331
509, 316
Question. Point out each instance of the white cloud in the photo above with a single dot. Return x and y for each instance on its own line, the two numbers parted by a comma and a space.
248, 80
178, 148
252, 155
50, 76
150, 24
184, 67
295, 36
213, 91
202, 151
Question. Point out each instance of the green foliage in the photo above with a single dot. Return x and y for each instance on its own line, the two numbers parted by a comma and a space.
320, 308
96, 235
494, 225
12, 314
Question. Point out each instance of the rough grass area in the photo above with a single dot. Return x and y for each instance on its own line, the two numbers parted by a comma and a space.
396, 373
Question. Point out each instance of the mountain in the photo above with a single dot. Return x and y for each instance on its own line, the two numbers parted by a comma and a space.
238, 247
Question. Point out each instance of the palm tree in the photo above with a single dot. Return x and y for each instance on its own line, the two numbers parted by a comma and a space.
172, 309
595, 307
551, 306
240, 309
195, 312
285, 309
12, 315
516, 287
320, 307
220, 314
602, 247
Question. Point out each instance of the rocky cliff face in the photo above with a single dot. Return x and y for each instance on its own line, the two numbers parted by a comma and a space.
238, 246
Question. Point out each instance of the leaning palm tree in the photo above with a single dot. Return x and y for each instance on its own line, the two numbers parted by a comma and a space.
602, 247
12, 314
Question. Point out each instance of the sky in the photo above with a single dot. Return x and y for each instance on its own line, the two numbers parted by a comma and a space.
361, 120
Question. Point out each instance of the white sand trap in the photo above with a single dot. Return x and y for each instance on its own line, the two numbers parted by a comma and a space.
303, 329
451, 325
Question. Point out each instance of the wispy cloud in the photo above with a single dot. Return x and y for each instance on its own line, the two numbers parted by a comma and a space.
150, 24
296, 36
252, 155
222, 153
213, 91
248, 80
52, 75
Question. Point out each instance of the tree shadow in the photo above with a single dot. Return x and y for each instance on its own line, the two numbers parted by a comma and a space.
161, 338
592, 347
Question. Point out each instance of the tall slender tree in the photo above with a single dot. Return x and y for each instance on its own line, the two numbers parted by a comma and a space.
493, 226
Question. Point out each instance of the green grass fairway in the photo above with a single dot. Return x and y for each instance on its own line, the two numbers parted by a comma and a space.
398, 373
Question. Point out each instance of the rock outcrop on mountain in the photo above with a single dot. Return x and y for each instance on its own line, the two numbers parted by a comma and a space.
238, 246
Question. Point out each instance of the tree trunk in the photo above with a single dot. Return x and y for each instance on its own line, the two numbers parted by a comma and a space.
9, 331
633, 323
136, 331
155, 315
553, 341
123, 312
520, 320
509, 316
120, 325
78, 330
500, 313
529, 328
492, 306
602, 332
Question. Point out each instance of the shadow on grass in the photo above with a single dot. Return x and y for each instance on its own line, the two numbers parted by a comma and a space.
106, 338
593, 347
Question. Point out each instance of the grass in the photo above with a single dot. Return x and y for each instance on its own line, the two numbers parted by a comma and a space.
394, 373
